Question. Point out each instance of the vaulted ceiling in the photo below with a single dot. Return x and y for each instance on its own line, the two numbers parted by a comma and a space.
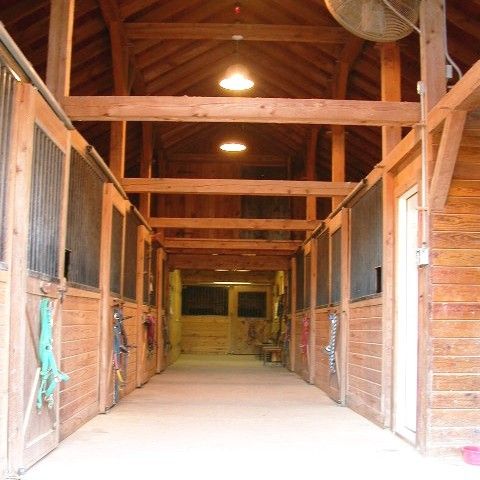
182, 65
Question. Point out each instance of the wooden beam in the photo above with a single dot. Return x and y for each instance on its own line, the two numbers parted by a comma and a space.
232, 223
241, 109
146, 166
464, 95
59, 57
351, 51
229, 262
225, 31
212, 186
338, 159
119, 51
391, 89
446, 159
173, 244
432, 50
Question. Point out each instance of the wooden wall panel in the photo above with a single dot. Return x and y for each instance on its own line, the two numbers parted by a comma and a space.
79, 359
149, 362
205, 334
4, 324
454, 407
364, 372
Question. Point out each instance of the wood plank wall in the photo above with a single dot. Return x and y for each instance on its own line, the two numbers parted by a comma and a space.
149, 359
205, 334
364, 359
301, 359
4, 324
453, 410
79, 359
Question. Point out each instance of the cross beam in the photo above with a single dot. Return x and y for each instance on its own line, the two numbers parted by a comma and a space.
212, 186
241, 109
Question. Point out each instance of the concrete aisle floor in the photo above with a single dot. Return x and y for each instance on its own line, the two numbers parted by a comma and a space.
230, 417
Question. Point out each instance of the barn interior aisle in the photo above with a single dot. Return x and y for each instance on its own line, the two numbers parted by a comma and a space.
232, 417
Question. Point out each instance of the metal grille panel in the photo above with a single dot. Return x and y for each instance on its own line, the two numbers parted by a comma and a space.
366, 243
7, 90
116, 252
300, 262
202, 300
252, 304
45, 205
323, 249
336, 266
130, 272
147, 283
84, 221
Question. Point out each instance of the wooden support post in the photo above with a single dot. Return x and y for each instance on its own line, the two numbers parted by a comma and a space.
310, 173
313, 304
146, 166
59, 57
293, 309
120, 62
338, 158
160, 309
391, 91
432, 50
388, 289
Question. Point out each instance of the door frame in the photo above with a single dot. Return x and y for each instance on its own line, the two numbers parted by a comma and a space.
398, 413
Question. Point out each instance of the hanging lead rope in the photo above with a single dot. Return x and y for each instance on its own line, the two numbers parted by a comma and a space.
50, 375
149, 323
330, 348
120, 352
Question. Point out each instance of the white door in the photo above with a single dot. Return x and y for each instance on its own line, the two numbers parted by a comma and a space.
406, 325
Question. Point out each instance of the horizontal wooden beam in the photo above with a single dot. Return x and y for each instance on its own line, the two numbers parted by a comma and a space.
232, 223
241, 110
227, 31
213, 186
173, 244
228, 262
192, 277
242, 158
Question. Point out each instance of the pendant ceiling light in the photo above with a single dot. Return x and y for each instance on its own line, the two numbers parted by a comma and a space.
233, 146
237, 78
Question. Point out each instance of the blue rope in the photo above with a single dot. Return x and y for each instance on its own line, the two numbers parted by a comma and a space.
50, 375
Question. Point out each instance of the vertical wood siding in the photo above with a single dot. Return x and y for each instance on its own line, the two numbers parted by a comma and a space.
80, 360
364, 359
130, 323
4, 320
454, 407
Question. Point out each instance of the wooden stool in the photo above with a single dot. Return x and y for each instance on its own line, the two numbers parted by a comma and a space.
273, 351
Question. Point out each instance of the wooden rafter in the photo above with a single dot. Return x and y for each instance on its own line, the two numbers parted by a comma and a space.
225, 31
281, 188
446, 158
241, 109
259, 160
232, 223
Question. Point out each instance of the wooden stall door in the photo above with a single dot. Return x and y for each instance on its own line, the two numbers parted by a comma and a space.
250, 319
406, 324
44, 249
113, 232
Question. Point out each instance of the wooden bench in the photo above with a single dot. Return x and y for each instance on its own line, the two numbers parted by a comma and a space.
272, 352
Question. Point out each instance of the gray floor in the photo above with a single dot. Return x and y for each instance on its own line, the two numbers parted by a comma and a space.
230, 417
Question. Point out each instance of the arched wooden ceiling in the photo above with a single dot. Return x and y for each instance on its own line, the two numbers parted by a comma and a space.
193, 66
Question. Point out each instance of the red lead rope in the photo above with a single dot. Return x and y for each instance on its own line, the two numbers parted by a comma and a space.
305, 335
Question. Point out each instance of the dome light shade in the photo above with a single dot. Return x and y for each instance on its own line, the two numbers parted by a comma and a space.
237, 78
233, 147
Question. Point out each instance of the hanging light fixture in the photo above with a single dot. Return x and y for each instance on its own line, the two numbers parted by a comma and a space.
233, 146
237, 76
